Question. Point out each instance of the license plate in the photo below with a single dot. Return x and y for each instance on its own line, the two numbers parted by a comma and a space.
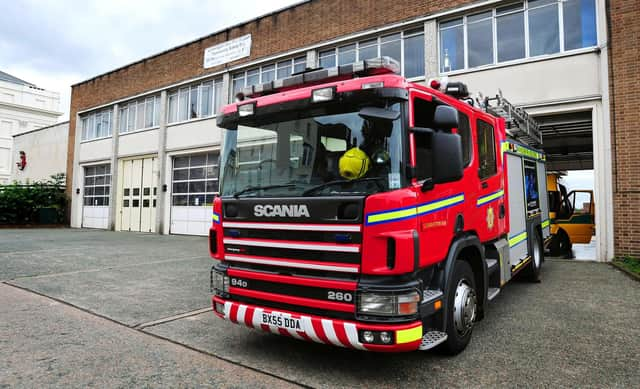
281, 321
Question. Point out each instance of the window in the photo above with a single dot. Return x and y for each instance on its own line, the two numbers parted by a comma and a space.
544, 28
480, 36
327, 58
414, 53
391, 46
464, 130
579, 21
268, 73
451, 45
195, 101
347, 54
498, 35
531, 187
140, 114
423, 112
406, 47
195, 179
97, 185
183, 104
368, 49
510, 32
96, 125
486, 150
206, 99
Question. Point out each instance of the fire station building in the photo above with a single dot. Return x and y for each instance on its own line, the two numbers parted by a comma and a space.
144, 146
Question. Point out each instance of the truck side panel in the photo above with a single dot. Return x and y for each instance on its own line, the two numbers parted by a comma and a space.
544, 200
517, 211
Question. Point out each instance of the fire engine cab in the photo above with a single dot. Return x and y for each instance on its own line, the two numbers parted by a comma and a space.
361, 210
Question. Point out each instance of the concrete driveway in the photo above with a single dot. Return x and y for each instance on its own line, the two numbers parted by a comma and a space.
95, 308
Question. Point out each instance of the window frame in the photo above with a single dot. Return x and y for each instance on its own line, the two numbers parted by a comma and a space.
403, 35
482, 174
563, 50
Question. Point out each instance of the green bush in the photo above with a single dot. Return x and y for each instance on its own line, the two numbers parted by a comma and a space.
19, 203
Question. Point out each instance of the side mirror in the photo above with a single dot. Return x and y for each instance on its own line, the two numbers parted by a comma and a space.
445, 117
447, 157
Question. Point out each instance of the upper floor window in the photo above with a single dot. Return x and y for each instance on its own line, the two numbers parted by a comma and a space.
195, 101
96, 125
267, 73
136, 115
516, 31
406, 47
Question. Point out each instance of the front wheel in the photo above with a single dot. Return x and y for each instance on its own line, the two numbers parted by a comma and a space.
462, 309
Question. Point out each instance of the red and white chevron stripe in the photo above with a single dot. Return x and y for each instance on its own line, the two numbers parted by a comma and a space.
327, 331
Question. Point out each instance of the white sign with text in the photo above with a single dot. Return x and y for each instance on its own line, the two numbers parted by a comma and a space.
227, 51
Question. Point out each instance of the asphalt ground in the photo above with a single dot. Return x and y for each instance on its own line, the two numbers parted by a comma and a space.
88, 308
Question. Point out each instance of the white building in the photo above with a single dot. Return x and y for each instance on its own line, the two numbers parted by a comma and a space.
23, 107
45, 150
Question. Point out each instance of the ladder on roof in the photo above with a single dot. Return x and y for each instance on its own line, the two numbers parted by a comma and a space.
519, 124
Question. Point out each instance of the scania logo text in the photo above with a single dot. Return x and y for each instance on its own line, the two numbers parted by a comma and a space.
293, 210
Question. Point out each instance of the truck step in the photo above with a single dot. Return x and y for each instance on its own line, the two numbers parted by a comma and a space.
430, 295
431, 339
492, 265
492, 293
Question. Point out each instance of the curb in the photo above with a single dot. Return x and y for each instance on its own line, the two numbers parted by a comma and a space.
629, 273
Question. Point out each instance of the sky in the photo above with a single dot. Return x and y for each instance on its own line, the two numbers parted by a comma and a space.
55, 44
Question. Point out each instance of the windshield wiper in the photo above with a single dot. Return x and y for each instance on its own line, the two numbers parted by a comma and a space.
375, 180
257, 188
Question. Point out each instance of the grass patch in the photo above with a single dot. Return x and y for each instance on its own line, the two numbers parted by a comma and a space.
631, 264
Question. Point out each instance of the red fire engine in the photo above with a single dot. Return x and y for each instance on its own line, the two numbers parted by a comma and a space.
361, 210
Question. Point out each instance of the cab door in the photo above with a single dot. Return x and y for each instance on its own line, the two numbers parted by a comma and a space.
581, 224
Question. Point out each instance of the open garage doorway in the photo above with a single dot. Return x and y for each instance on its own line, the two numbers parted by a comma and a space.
568, 143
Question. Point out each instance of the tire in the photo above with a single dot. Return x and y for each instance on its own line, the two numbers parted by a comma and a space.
560, 245
462, 309
532, 271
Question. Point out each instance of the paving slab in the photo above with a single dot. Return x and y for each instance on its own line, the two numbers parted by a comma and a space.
48, 344
132, 294
577, 328
34, 252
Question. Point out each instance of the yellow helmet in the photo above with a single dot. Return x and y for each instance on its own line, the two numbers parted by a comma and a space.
354, 163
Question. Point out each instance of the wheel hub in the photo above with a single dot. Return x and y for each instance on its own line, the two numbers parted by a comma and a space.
464, 307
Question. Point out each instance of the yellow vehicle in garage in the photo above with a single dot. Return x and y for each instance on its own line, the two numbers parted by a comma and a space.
572, 216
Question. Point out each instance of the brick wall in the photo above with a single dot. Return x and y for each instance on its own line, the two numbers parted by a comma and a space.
306, 24
624, 79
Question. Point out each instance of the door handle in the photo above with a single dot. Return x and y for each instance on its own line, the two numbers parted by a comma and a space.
485, 185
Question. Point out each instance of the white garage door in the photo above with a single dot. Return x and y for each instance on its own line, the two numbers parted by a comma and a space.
97, 187
137, 198
194, 186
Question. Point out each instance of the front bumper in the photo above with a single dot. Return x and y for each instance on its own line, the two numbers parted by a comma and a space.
406, 336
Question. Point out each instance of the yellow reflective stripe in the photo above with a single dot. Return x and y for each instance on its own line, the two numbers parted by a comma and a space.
517, 239
430, 207
525, 151
518, 266
486, 199
409, 335
215, 217
392, 215
405, 213
546, 223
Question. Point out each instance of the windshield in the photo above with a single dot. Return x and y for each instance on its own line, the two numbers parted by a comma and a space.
341, 153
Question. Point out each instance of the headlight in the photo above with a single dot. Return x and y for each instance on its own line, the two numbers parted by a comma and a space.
389, 305
219, 282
